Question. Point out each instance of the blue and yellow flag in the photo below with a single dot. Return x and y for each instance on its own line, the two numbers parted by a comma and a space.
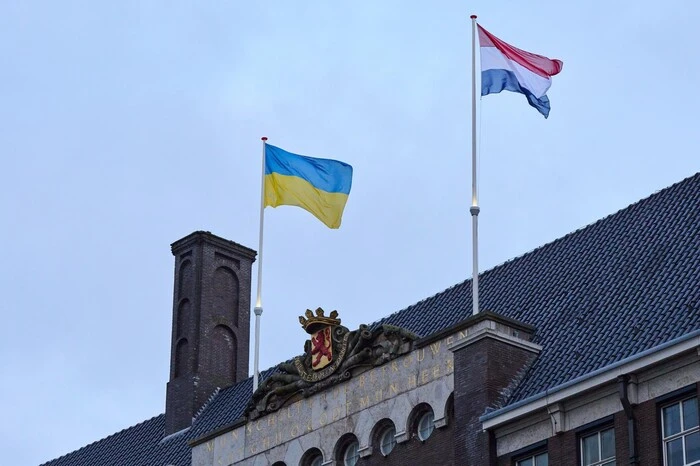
320, 186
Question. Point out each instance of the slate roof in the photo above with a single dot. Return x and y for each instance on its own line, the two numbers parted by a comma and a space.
624, 284
139, 445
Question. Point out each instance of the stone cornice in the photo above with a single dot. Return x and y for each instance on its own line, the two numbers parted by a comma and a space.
199, 237
473, 320
495, 335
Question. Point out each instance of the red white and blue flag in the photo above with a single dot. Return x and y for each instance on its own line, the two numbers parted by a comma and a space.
504, 67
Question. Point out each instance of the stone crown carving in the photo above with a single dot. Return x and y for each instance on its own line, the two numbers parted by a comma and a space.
353, 352
314, 322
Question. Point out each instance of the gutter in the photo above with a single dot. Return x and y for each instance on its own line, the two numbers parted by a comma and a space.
554, 394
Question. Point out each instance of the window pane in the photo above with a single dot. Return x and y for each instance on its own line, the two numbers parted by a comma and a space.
674, 452
690, 413
542, 460
610, 463
317, 461
351, 455
672, 420
590, 449
692, 447
388, 441
527, 462
426, 426
607, 447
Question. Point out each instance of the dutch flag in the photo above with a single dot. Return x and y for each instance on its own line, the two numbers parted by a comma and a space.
504, 67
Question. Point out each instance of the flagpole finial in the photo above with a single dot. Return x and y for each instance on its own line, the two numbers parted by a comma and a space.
473, 16
264, 138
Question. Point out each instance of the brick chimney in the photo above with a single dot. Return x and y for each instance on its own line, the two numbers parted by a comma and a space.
211, 317
487, 361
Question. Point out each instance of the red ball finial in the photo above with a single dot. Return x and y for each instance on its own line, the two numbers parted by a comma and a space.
473, 16
264, 138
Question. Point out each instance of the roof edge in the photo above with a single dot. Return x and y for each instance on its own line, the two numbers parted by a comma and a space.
590, 380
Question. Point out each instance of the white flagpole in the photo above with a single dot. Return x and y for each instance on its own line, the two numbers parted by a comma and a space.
258, 301
474, 209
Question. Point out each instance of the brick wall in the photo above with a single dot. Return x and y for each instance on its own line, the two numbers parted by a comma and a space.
436, 450
482, 371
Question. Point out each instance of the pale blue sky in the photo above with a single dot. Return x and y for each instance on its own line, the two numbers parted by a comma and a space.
125, 126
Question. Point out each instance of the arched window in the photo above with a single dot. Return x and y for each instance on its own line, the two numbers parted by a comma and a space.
312, 457
347, 450
279, 463
422, 421
384, 436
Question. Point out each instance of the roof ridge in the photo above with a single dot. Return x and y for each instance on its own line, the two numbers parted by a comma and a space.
103, 439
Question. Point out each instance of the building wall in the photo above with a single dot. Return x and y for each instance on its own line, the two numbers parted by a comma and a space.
428, 375
561, 428
564, 448
392, 392
437, 450
484, 368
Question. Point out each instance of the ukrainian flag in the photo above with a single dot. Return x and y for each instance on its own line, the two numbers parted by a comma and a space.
320, 186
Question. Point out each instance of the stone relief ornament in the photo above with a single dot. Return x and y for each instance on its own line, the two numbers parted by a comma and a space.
331, 355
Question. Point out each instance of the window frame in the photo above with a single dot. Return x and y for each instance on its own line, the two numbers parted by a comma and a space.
418, 413
419, 421
354, 443
533, 457
530, 452
343, 446
597, 431
387, 430
683, 396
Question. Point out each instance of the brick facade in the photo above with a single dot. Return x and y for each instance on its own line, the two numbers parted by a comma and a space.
437, 449
564, 448
483, 369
